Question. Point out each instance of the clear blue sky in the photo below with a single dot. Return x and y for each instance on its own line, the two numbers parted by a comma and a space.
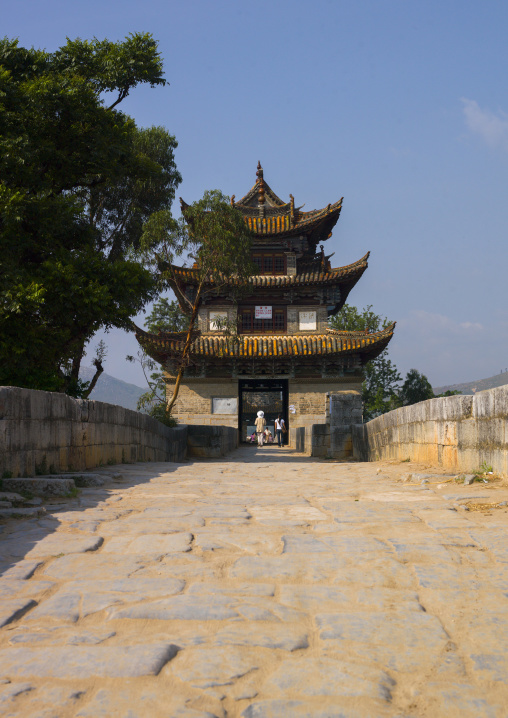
399, 106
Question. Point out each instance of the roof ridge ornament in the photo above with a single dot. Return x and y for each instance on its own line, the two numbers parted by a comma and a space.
261, 190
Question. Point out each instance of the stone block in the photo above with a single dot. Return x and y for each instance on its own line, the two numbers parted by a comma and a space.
40, 486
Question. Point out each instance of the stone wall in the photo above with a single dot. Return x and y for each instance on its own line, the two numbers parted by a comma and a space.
456, 432
42, 432
333, 438
211, 442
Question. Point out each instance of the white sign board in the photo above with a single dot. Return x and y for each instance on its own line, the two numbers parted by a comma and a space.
307, 320
263, 313
213, 319
292, 409
222, 405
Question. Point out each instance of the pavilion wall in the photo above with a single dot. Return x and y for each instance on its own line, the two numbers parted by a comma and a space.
459, 433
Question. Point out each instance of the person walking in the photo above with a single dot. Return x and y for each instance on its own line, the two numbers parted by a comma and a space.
260, 427
280, 430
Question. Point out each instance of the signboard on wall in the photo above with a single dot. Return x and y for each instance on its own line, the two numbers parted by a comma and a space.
213, 319
223, 405
263, 313
307, 320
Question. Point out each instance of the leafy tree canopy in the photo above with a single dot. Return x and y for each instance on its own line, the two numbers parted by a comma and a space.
382, 390
382, 380
78, 182
214, 235
415, 388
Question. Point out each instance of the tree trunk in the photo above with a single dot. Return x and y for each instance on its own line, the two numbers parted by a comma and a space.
185, 350
98, 371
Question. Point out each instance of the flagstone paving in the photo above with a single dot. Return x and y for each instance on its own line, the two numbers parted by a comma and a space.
263, 585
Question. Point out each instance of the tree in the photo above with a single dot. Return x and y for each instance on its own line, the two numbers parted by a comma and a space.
165, 316
382, 379
416, 388
214, 234
78, 181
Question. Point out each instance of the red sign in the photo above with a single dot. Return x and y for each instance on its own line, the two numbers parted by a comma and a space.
263, 313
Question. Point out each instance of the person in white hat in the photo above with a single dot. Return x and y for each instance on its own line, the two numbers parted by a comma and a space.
260, 427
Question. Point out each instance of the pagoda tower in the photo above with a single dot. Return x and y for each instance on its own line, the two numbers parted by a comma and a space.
286, 358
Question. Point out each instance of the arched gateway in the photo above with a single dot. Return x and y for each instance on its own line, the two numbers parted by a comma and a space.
287, 358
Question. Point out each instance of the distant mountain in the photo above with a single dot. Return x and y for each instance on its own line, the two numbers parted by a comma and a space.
472, 387
111, 390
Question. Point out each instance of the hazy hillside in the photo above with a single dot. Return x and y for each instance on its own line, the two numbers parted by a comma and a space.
111, 390
473, 386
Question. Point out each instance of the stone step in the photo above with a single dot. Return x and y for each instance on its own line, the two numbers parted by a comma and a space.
41, 485
22, 513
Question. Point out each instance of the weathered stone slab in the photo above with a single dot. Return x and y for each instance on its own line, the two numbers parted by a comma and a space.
24, 513
379, 572
491, 666
321, 598
94, 566
235, 589
19, 571
399, 641
81, 598
427, 553
137, 526
186, 607
251, 541
286, 637
9, 693
138, 702
451, 577
444, 519
319, 567
41, 486
310, 676
58, 636
51, 545
381, 628
11, 588
209, 667
50, 701
13, 608
464, 700
277, 513
149, 544
79, 662
263, 609
493, 541
322, 708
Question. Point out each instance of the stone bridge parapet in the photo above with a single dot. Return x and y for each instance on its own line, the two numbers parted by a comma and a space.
456, 432
43, 431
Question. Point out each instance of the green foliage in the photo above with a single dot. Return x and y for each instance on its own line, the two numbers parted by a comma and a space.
381, 389
351, 319
166, 316
78, 182
212, 233
416, 388
381, 385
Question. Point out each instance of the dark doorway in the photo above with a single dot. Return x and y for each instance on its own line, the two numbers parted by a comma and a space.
269, 395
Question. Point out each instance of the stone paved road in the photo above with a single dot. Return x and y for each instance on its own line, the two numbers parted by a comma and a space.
265, 585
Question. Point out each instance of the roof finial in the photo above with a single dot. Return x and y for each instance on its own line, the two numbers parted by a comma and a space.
261, 190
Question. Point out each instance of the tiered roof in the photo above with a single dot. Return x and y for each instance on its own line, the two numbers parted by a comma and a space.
338, 275
268, 217
164, 345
